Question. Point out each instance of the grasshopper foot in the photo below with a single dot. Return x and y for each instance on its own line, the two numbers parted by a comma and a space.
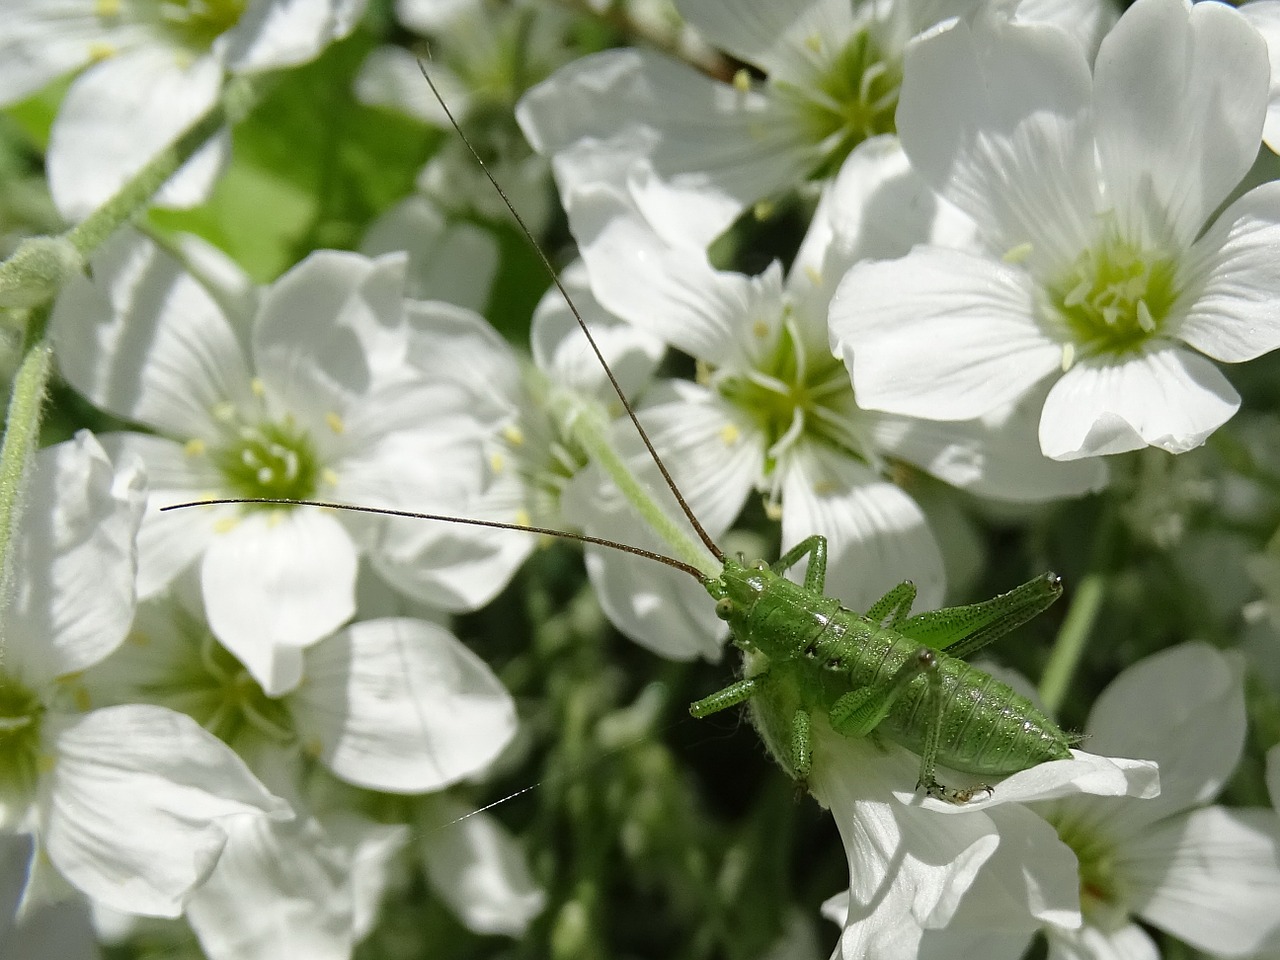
954, 795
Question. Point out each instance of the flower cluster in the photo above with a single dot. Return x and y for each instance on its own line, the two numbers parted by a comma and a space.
294, 426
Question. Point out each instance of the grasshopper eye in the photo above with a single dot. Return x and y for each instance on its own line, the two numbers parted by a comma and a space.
759, 565
724, 608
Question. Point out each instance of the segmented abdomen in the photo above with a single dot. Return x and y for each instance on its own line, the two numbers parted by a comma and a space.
988, 729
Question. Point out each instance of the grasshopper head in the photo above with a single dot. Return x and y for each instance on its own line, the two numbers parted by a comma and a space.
739, 586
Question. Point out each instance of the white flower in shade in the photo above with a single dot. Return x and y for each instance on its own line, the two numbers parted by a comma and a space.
478, 868
911, 862
309, 396
483, 56
395, 704
773, 410
125, 803
1208, 875
1099, 276
529, 454
150, 69
822, 78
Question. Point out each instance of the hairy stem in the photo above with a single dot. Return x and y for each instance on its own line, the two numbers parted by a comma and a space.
590, 429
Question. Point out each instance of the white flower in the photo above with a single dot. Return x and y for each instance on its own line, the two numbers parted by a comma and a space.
395, 704
831, 72
151, 68
773, 410
528, 452
911, 862
1095, 271
311, 396
1209, 875
124, 802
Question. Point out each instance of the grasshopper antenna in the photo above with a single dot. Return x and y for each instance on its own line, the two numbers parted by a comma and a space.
469, 521
555, 278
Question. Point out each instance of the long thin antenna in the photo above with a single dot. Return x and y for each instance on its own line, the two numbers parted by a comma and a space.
469, 521
555, 278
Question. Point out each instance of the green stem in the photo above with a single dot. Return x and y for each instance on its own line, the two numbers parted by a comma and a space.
1072, 639
21, 438
589, 428
36, 271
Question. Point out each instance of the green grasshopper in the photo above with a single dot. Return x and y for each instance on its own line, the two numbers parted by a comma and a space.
808, 658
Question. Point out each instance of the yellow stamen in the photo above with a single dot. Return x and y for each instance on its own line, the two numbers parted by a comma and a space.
1018, 254
1068, 356
742, 81
335, 423
226, 524
194, 447
258, 387
513, 435
329, 476
101, 50
496, 462
730, 434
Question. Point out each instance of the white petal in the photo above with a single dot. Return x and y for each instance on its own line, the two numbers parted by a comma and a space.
44, 40
663, 609
1084, 773
277, 891
121, 113
877, 536
450, 261
328, 328
908, 870
400, 705
997, 456
1183, 708
561, 350
1032, 879
671, 292
982, 109
168, 543
1086, 20
1234, 266
480, 871
755, 32
145, 341
1166, 397
134, 801
1130, 942
1180, 93
285, 33
731, 146
1265, 17
1211, 878
392, 77
74, 553
940, 334
278, 580
850, 223
452, 566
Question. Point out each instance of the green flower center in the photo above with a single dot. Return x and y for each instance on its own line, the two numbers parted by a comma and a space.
855, 99
1103, 900
215, 689
1115, 297
795, 391
197, 23
21, 712
269, 460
